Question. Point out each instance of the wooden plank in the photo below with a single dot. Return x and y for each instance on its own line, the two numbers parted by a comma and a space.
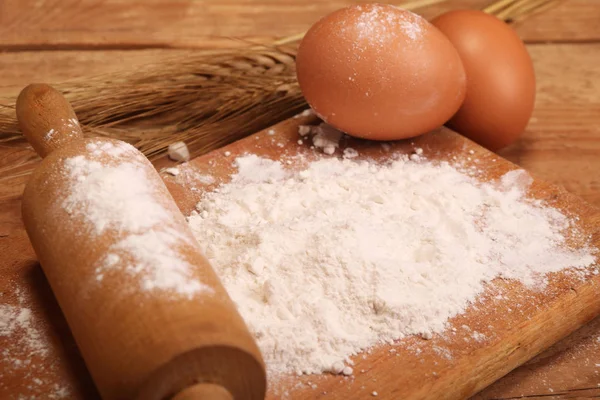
569, 369
562, 141
22, 68
111, 24
570, 21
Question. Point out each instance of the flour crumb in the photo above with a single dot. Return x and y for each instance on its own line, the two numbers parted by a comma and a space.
327, 138
179, 151
304, 130
337, 367
349, 152
172, 171
324, 137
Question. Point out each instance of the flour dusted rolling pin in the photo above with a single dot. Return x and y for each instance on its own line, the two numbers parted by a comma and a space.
147, 311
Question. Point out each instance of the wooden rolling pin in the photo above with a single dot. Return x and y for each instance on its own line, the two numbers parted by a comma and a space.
141, 336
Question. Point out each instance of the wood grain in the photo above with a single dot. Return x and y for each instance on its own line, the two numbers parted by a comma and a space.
24, 67
569, 369
562, 141
112, 24
571, 21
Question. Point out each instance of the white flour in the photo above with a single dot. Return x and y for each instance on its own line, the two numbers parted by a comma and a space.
119, 196
380, 22
17, 319
324, 136
341, 256
25, 350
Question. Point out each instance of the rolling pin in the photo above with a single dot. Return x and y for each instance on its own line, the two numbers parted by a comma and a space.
148, 313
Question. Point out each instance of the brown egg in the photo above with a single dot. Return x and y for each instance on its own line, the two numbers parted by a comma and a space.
500, 78
379, 72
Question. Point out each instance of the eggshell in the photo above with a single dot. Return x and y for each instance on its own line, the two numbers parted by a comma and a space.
379, 72
500, 77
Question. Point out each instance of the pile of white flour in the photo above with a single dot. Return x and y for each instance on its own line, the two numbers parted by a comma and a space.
346, 254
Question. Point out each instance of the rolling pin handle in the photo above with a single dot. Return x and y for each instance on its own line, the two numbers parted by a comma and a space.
204, 391
46, 118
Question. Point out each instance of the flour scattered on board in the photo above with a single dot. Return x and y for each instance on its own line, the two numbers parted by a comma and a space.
343, 255
188, 176
18, 319
25, 351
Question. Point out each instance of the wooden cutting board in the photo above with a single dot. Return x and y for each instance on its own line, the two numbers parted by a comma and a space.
493, 337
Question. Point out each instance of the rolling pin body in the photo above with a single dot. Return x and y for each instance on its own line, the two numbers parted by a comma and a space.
147, 311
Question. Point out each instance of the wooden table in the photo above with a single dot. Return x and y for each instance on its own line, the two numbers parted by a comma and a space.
52, 41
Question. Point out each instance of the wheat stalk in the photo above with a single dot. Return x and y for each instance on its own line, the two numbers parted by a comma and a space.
207, 99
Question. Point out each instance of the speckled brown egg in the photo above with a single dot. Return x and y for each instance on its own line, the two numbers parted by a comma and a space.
500, 78
379, 72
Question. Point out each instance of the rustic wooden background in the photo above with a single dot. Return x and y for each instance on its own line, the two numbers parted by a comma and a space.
57, 40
